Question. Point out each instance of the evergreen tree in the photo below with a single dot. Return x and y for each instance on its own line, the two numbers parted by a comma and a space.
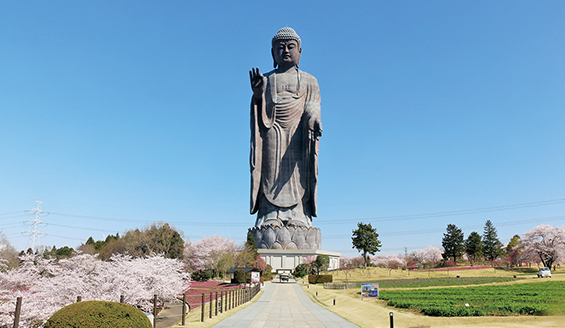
514, 241
366, 240
492, 247
453, 243
251, 241
513, 252
474, 247
321, 263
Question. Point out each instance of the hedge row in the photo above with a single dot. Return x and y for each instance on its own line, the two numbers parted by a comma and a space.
98, 314
319, 278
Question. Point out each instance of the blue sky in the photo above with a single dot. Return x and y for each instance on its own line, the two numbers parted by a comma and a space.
118, 114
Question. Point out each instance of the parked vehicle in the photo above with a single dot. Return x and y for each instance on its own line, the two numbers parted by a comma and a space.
544, 272
284, 277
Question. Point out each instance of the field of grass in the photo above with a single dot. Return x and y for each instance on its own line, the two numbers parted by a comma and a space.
375, 313
440, 282
371, 274
531, 299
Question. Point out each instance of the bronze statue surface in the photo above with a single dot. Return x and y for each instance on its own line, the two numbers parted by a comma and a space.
285, 131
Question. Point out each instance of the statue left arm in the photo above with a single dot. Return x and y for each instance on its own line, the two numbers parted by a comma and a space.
312, 108
313, 116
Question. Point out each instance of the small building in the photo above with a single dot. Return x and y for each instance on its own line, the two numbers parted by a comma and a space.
288, 259
231, 272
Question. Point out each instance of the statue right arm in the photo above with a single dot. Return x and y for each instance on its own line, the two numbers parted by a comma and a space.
258, 83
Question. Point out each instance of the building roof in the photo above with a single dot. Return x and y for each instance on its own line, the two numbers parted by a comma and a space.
244, 269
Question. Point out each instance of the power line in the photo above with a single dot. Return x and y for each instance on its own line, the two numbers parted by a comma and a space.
457, 212
194, 223
80, 239
325, 222
11, 213
321, 222
12, 217
8, 225
419, 232
81, 228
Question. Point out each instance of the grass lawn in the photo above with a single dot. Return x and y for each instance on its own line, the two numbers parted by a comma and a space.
362, 275
375, 313
439, 282
532, 298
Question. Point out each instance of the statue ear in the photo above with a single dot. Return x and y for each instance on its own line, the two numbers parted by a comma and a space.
298, 61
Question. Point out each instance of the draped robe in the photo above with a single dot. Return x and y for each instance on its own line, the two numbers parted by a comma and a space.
284, 153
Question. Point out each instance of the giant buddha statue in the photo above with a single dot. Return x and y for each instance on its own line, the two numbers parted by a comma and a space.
285, 131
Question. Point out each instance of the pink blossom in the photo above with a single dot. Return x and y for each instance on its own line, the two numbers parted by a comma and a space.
46, 285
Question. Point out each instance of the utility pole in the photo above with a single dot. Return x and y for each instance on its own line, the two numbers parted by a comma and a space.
36, 222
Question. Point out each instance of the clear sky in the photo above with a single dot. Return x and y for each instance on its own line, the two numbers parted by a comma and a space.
117, 114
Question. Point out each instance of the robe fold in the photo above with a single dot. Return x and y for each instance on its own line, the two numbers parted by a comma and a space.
284, 153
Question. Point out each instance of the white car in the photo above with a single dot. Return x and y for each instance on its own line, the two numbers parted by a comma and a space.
544, 272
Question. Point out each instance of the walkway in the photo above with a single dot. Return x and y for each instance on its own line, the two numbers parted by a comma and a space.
284, 305
169, 315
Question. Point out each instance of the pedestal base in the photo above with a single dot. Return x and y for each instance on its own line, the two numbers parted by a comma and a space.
288, 259
287, 237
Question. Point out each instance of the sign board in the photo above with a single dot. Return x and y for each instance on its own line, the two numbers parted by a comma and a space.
370, 290
255, 277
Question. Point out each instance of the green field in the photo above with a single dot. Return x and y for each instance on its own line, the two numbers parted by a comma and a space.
527, 298
439, 282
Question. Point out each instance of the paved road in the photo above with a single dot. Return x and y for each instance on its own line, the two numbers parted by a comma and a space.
284, 305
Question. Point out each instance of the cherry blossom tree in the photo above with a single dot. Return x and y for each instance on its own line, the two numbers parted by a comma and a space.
46, 285
547, 242
260, 263
429, 256
346, 265
383, 260
8, 254
209, 253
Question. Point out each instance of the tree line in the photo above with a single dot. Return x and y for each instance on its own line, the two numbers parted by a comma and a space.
544, 243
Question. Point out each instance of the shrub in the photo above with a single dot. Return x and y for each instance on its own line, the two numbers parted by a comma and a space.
319, 278
301, 270
203, 275
268, 274
95, 314
239, 277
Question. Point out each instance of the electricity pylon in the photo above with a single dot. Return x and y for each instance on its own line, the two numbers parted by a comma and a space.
36, 222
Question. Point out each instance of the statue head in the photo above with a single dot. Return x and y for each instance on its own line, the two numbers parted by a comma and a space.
286, 48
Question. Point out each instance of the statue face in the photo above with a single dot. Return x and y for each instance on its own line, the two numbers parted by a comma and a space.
286, 53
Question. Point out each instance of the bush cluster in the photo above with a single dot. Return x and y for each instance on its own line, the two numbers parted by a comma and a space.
319, 278
98, 314
203, 275
301, 270
239, 277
